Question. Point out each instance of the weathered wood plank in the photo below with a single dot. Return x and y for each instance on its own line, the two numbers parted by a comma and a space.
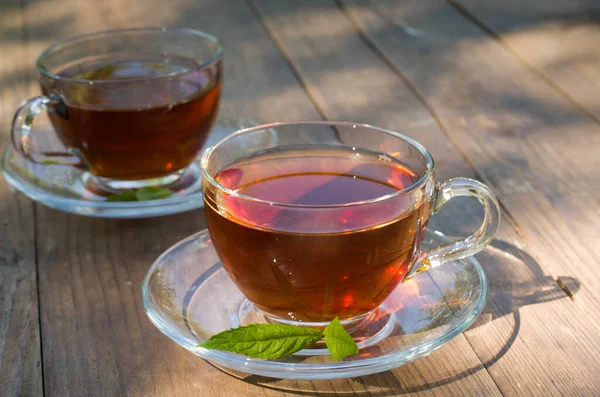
20, 363
557, 38
347, 80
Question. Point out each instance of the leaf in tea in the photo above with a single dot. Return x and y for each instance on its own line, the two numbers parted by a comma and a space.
153, 193
125, 196
143, 194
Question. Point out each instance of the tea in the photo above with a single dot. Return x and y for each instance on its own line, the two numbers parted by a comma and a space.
316, 252
149, 130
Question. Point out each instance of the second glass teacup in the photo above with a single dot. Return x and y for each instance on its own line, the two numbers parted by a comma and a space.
133, 107
316, 220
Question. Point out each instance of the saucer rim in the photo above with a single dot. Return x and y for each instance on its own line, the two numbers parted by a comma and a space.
95, 208
300, 371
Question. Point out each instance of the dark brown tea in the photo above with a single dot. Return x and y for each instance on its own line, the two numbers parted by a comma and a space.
314, 253
137, 117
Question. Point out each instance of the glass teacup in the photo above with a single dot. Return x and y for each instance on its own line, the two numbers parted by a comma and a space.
133, 107
314, 220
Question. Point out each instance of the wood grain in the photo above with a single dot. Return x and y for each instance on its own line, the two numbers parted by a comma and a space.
20, 362
350, 80
558, 39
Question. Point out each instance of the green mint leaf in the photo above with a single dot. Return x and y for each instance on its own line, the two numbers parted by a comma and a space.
339, 343
125, 196
153, 193
143, 194
50, 162
267, 341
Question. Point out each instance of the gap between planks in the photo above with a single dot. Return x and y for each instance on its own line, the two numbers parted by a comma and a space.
25, 32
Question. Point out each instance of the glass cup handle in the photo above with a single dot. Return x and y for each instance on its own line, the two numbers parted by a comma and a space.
22, 128
468, 246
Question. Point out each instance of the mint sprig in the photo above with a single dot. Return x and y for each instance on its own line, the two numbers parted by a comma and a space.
272, 341
125, 196
143, 194
264, 340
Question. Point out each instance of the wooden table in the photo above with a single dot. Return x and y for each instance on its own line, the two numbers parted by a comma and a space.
507, 92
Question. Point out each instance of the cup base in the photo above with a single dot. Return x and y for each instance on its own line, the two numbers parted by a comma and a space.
180, 181
348, 324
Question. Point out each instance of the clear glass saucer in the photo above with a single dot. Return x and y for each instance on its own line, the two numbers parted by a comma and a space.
72, 190
189, 297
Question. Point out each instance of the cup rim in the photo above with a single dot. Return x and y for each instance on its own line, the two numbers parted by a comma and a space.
419, 182
110, 32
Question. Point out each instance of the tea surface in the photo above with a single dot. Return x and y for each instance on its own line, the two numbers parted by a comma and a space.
130, 127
